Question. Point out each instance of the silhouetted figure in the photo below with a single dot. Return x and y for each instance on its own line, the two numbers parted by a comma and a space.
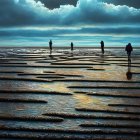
50, 45
102, 46
71, 46
129, 49
129, 73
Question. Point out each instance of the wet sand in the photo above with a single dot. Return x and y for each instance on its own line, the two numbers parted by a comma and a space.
69, 95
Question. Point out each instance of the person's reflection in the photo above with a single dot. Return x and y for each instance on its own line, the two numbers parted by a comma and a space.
129, 73
102, 58
50, 54
71, 54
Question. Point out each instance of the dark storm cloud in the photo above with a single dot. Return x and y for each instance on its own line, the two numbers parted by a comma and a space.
130, 3
51, 4
86, 12
59, 32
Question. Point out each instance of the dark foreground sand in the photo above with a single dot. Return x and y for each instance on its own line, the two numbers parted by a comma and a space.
69, 95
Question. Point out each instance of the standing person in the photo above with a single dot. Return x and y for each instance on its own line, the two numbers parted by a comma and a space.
71, 46
50, 45
129, 49
102, 46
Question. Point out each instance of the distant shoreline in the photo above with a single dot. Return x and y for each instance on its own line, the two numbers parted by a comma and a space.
64, 47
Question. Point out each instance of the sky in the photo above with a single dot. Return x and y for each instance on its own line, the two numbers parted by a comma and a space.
84, 22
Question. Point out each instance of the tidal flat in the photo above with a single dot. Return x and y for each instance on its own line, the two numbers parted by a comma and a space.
80, 94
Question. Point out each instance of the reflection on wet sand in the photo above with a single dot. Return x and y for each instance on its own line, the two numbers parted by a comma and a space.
56, 87
129, 73
93, 102
84, 100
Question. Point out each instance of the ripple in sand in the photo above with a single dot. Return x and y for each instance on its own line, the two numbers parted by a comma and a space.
106, 111
30, 118
91, 116
9, 100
